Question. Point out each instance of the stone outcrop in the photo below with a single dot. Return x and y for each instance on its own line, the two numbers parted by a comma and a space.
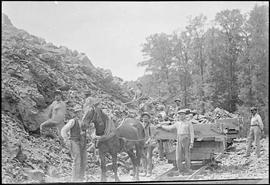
33, 69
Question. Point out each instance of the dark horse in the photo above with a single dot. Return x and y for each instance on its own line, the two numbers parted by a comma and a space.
113, 140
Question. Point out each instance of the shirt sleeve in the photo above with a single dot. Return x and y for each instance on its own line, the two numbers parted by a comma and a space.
191, 130
259, 119
67, 128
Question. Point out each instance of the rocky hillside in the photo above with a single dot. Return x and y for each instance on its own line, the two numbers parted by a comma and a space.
32, 70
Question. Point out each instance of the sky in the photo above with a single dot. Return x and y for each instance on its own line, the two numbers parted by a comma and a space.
111, 33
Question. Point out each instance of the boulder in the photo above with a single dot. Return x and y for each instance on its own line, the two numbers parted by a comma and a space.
85, 61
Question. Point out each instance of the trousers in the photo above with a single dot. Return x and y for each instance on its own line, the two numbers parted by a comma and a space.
182, 152
254, 134
147, 159
79, 155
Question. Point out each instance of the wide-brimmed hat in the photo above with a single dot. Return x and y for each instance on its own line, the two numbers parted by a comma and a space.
181, 111
145, 113
253, 108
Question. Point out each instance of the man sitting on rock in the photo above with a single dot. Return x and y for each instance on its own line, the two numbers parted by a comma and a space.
57, 113
87, 96
77, 144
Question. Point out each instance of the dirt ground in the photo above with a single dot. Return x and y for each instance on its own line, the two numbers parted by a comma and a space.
232, 165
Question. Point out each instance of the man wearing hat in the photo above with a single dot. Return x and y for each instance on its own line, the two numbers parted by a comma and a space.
149, 145
178, 105
77, 144
57, 113
185, 138
256, 128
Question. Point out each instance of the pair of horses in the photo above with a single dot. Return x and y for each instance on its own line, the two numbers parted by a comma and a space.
127, 136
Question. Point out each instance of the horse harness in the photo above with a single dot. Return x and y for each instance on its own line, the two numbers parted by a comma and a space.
109, 127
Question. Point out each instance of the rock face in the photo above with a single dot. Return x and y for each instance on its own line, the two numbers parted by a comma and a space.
33, 69
6, 20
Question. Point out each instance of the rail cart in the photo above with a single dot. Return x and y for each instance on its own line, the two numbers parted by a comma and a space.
210, 139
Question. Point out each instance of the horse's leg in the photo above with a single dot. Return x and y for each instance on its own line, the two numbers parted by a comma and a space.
144, 164
139, 150
114, 161
103, 166
133, 159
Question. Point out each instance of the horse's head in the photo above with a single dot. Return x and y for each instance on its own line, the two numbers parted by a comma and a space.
93, 115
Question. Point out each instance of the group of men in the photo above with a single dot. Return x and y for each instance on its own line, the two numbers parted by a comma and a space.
76, 141
185, 138
182, 123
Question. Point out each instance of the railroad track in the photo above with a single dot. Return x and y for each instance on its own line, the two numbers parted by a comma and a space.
187, 179
168, 176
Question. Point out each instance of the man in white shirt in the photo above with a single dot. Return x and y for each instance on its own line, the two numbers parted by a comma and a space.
77, 144
185, 138
256, 128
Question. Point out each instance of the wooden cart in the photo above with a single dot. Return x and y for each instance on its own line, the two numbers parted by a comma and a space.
209, 139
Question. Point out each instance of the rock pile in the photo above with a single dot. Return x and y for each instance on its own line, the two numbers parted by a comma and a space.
32, 70
211, 116
235, 166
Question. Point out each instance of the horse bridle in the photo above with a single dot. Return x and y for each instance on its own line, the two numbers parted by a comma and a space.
93, 107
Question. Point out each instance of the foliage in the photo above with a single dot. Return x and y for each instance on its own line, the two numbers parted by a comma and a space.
222, 65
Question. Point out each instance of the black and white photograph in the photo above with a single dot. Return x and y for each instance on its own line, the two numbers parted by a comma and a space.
137, 92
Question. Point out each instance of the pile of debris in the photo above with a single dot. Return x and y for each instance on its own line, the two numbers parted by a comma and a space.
234, 166
211, 116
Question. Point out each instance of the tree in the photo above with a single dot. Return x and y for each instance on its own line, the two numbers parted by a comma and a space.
254, 62
182, 64
158, 53
231, 24
196, 30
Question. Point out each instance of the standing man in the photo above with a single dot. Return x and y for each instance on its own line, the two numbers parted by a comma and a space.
163, 144
185, 139
178, 103
77, 144
57, 113
256, 128
149, 145
177, 106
